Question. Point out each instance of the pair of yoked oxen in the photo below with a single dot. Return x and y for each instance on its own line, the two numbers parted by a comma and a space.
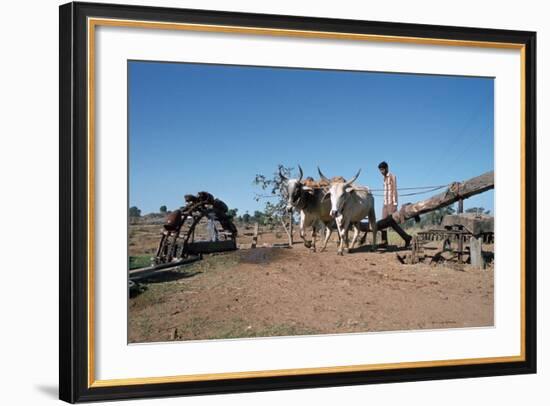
330, 202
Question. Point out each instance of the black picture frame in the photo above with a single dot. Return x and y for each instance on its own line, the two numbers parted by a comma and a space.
74, 199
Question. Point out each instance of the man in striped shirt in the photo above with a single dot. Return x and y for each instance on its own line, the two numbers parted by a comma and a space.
390, 190
390, 206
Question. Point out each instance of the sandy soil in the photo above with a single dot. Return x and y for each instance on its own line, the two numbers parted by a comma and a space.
291, 291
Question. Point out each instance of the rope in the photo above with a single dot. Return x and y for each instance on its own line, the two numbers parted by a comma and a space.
412, 188
434, 188
429, 189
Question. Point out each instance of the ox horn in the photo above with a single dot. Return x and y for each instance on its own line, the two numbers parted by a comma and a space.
301, 173
349, 182
323, 177
283, 177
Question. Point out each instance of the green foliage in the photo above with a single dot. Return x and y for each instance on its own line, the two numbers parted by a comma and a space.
232, 213
274, 189
477, 210
163, 209
134, 212
410, 223
259, 217
434, 217
139, 261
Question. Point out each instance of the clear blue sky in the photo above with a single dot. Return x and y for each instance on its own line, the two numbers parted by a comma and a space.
196, 127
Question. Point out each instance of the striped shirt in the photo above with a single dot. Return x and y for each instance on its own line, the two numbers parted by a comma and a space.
390, 189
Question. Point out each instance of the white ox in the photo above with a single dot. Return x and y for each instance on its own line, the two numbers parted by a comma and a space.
314, 209
349, 205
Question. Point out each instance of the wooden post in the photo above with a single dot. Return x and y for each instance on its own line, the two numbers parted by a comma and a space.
414, 250
460, 238
255, 236
476, 257
290, 229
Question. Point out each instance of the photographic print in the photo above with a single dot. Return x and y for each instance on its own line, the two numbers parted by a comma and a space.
272, 201
262, 202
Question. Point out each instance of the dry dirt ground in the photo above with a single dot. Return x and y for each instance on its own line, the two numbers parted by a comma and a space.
292, 291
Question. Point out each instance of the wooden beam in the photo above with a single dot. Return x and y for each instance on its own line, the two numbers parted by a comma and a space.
141, 273
455, 192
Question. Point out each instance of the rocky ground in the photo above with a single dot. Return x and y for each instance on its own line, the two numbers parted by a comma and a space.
292, 291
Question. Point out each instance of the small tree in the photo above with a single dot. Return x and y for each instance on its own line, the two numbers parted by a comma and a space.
475, 210
232, 213
163, 209
246, 218
134, 212
274, 190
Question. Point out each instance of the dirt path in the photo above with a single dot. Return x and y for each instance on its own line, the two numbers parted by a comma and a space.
273, 292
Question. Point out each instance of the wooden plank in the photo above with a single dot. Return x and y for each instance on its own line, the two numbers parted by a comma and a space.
473, 223
150, 270
455, 192
208, 247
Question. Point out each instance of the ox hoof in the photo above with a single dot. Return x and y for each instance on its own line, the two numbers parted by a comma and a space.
340, 253
307, 244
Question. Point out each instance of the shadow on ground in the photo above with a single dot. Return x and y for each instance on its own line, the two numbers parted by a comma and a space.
369, 248
51, 391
